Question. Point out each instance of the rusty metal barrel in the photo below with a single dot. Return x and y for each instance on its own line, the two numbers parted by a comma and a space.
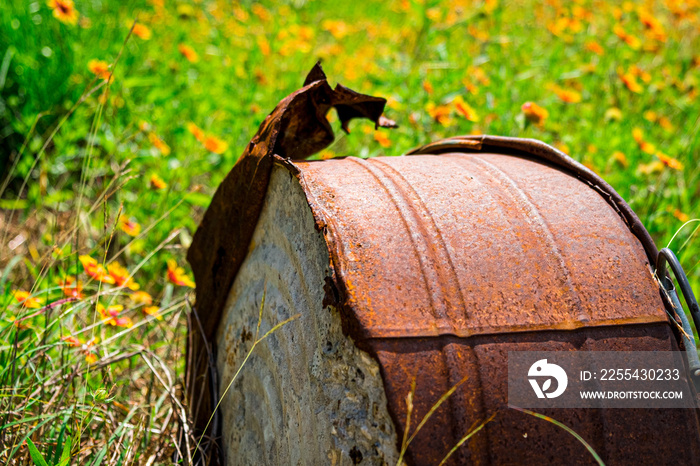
424, 270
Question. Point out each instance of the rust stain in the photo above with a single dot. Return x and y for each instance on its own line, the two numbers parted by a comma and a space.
471, 244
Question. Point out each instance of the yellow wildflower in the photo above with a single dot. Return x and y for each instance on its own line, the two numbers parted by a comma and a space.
64, 11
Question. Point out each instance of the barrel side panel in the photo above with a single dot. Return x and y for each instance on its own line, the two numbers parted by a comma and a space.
512, 437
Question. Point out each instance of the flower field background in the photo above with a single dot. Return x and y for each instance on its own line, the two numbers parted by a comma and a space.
118, 119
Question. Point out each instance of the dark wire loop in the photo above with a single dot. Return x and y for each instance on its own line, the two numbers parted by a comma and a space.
666, 258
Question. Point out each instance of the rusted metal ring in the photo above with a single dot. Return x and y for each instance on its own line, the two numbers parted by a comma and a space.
667, 257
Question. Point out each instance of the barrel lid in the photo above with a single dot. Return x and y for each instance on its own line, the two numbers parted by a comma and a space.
472, 242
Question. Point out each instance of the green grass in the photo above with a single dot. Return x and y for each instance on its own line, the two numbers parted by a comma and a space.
77, 153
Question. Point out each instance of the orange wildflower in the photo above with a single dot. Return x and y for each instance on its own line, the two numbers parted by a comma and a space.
27, 301
196, 131
666, 124
465, 109
427, 86
260, 77
71, 288
479, 74
652, 167
64, 11
142, 31
121, 276
294, 45
72, 341
434, 14
564, 24
534, 113
110, 315
326, 154
211, 143
631, 82
439, 113
95, 270
382, 138
683, 217
670, 162
567, 95
562, 147
85, 347
215, 145
638, 135
306, 33
156, 182
617, 13
469, 86
159, 144
153, 311
588, 163
641, 74
128, 226
589, 68
652, 24
633, 42
264, 46
581, 13
338, 29
240, 14
188, 52
613, 113
177, 276
594, 47
629, 39
620, 158
99, 68
141, 298
261, 12
490, 5
478, 34
645, 146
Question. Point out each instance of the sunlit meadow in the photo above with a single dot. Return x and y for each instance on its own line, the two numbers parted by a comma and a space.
119, 118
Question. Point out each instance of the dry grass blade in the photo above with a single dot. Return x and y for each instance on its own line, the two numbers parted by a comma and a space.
566, 428
467, 437
407, 440
409, 413
694, 220
247, 356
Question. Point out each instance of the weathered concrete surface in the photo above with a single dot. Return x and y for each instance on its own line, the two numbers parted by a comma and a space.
307, 395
